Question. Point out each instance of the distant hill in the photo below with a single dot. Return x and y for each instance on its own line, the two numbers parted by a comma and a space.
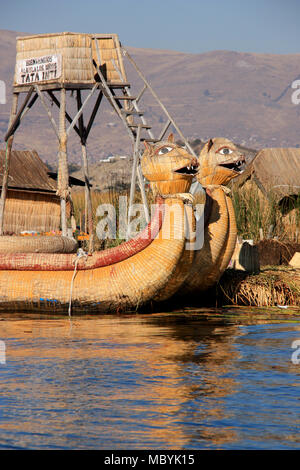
242, 96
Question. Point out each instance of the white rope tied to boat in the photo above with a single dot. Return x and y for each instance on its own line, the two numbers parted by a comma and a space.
218, 186
80, 254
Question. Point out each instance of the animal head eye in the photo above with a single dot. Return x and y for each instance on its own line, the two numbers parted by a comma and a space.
164, 150
225, 151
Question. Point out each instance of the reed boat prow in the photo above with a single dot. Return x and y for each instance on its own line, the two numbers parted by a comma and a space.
219, 162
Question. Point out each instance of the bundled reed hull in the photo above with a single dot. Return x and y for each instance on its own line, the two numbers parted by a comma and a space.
220, 236
37, 244
183, 268
121, 278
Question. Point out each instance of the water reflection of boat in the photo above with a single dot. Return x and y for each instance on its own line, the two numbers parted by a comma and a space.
163, 378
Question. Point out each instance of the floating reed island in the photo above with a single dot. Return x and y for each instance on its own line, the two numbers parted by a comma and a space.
271, 287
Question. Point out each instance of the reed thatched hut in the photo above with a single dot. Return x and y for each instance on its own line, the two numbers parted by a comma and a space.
32, 203
66, 58
276, 172
270, 189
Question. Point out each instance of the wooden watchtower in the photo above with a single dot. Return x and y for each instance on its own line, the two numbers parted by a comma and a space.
48, 65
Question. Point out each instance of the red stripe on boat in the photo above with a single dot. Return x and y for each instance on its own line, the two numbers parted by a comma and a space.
65, 262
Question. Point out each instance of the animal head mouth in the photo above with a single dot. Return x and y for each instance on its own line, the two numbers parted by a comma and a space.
238, 165
191, 169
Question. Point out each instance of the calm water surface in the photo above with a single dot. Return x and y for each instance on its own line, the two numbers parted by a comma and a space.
205, 379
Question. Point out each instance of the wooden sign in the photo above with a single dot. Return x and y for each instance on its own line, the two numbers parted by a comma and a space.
38, 69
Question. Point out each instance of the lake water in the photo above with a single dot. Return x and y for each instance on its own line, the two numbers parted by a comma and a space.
192, 379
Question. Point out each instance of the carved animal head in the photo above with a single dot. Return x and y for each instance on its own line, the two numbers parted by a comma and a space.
219, 162
169, 167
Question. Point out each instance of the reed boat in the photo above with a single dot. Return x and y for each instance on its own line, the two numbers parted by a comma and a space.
149, 266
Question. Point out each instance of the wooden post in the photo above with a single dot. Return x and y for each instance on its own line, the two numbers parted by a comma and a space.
7, 162
136, 172
63, 174
89, 222
47, 111
88, 199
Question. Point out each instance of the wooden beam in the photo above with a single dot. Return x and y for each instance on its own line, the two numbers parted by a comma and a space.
63, 174
135, 102
68, 117
80, 119
88, 198
108, 94
80, 111
94, 112
54, 87
29, 106
164, 130
47, 111
143, 193
125, 52
139, 96
9, 143
133, 176
14, 124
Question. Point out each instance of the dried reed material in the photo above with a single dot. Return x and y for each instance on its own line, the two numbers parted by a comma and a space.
27, 171
122, 285
31, 211
258, 216
220, 233
37, 244
184, 266
269, 288
77, 52
291, 224
98, 198
110, 256
276, 172
110, 52
231, 237
212, 159
160, 165
208, 260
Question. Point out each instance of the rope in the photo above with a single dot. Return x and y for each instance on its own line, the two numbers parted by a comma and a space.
218, 186
80, 254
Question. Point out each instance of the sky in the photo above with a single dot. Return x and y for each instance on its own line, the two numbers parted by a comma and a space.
192, 26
